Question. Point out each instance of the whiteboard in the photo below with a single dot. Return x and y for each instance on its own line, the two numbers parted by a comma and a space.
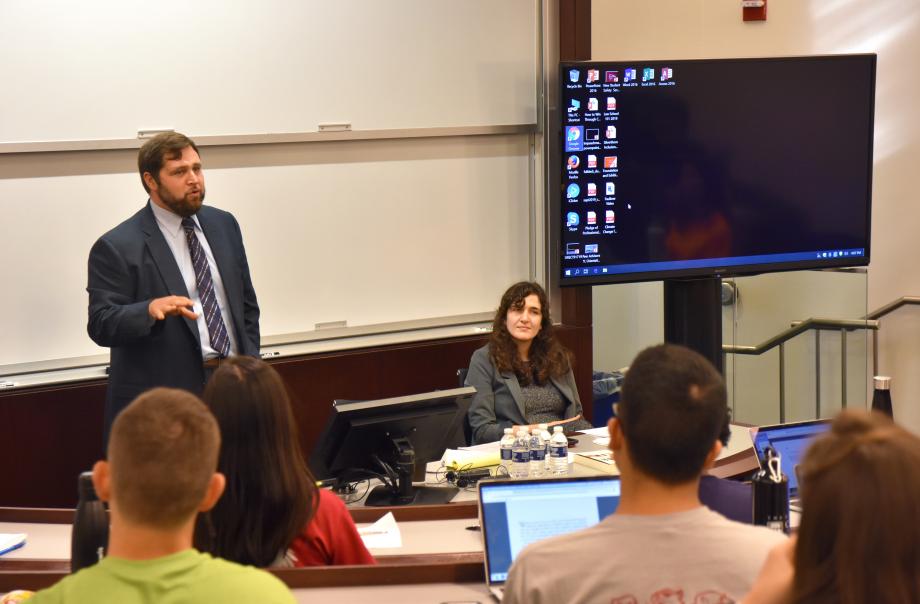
364, 232
107, 69
369, 231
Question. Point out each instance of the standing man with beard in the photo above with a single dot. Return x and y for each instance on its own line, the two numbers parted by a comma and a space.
169, 288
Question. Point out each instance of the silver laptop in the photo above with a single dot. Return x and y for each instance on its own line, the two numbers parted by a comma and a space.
515, 513
790, 441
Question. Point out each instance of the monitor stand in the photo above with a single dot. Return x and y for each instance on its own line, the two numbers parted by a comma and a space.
384, 496
693, 316
405, 493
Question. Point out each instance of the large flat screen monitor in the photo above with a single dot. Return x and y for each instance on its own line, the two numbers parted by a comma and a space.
714, 167
392, 438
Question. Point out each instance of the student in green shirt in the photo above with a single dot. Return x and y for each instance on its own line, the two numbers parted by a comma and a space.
161, 471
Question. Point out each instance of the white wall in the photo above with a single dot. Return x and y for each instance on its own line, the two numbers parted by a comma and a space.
636, 29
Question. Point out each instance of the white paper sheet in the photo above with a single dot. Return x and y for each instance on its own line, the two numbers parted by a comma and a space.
383, 534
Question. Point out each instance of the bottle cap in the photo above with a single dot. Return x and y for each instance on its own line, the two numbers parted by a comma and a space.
882, 382
508, 431
542, 426
85, 489
557, 428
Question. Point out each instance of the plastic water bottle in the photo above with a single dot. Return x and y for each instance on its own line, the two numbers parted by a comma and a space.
547, 460
537, 454
559, 452
90, 535
520, 455
507, 444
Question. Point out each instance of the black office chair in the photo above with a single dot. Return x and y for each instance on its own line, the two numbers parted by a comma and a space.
467, 428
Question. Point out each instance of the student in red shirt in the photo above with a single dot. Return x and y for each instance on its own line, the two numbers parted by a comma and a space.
272, 513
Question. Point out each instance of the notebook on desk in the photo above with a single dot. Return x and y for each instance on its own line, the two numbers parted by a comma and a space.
516, 513
790, 441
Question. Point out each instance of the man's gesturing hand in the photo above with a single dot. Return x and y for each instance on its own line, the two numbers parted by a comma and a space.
160, 308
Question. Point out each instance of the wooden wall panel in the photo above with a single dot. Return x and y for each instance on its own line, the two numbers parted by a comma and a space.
53, 433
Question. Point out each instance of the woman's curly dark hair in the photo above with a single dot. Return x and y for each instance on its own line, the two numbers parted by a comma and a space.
547, 357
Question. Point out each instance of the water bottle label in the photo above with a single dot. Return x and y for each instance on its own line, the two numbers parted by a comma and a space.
558, 451
520, 456
506, 454
537, 454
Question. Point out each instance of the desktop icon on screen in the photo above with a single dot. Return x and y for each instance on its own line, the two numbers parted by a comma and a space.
592, 218
610, 162
572, 162
592, 161
611, 76
648, 74
593, 75
610, 188
611, 131
590, 248
571, 219
611, 103
572, 248
592, 134
574, 105
573, 76
592, 189
572, 191
592, 104
629, 74
609, 217
574, 136
666, 74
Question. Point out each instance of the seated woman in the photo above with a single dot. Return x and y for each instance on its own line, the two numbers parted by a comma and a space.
523, 376
271, 513
858, 540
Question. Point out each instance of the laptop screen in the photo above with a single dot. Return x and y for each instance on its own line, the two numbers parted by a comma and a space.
517, 513
790, 441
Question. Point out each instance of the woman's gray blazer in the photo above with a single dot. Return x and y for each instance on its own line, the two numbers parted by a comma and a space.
499, 401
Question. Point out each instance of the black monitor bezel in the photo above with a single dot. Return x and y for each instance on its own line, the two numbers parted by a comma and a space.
325, 459
710, 271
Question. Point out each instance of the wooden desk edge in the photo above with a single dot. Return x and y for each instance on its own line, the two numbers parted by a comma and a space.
401, 570
408, 513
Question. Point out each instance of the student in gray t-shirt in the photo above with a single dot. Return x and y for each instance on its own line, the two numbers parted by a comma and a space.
662, 545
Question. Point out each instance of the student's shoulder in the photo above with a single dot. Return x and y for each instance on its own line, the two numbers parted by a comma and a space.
744, 533
232, 582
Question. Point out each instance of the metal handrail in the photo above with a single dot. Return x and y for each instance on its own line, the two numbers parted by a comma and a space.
870, 322
816, 324
878, 313
801, 327
893, 306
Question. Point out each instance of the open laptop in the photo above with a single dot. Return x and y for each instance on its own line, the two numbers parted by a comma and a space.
790, 441
515, 513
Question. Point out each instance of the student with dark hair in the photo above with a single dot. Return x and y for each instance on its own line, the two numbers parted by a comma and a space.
272, 513
161, 471
523, 376
858, 540
661, 543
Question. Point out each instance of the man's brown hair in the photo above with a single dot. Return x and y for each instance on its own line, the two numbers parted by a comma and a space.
163, 453
154, 153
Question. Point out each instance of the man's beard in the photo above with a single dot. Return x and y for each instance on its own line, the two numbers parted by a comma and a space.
183, 206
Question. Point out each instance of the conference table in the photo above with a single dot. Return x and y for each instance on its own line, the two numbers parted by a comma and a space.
440, 558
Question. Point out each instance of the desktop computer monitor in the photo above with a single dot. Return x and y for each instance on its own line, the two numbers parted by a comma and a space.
392, 438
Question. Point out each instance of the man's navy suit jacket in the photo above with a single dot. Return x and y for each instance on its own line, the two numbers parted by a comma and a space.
131, 265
